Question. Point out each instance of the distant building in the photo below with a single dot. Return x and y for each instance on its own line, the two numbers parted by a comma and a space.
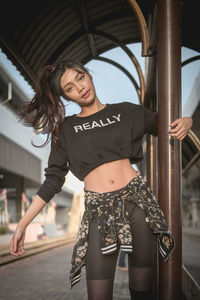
22, 165
191, 165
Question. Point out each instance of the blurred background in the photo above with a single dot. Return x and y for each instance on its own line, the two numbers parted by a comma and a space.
36, 32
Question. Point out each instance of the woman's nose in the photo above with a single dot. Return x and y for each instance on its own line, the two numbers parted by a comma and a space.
80, 87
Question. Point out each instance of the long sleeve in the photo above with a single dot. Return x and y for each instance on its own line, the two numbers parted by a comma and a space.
151, 121
55, 172
147, 118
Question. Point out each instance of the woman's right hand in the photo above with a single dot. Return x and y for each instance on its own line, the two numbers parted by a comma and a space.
17, 242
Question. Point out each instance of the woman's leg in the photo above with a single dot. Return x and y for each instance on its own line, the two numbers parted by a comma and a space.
100, 269
141, 261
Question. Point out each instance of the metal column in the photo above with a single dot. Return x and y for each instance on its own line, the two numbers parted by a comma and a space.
169, 149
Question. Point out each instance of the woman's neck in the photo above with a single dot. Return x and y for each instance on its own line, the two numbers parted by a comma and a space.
91, 109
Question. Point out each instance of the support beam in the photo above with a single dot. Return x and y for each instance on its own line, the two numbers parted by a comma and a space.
130, 54
121, 68
194, 139
150, 102
84, 18
189, 60
142, 25
169, 149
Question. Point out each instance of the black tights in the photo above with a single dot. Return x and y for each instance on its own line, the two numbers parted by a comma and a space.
100, 269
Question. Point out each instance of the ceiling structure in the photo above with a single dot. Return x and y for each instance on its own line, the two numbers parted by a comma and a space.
46, 31
36, 33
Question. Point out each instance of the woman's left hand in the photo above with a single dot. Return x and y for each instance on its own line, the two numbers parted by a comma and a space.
181, 128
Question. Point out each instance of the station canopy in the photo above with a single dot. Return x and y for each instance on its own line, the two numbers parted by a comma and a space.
36, 33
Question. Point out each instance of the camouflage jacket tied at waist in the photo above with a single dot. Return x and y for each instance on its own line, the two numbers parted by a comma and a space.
114, 226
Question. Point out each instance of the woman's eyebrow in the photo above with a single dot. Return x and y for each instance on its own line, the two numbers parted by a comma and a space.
74, 78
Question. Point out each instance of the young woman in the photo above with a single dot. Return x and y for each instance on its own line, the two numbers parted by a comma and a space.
99, 146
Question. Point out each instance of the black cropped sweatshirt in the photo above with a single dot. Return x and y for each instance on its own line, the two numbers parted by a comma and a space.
115, 132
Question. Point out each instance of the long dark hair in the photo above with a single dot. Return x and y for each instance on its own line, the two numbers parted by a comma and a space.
46, 109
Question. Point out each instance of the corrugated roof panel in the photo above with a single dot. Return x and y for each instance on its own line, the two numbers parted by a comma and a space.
75, 51
38, 32
99, 8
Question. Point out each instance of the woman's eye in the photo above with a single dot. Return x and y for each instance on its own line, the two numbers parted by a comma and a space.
69, 90
81, 77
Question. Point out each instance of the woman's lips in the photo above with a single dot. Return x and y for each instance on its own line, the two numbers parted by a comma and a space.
86, 95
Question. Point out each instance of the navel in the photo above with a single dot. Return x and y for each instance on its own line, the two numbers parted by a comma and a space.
111, 181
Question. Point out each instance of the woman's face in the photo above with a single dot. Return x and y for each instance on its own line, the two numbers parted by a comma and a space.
78, 87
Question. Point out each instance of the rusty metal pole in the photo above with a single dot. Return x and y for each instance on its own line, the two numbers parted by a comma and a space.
151, 142
169, 149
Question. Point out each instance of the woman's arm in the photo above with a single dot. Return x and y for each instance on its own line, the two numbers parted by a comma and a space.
55, 174
17, 240
33, 210
182, 127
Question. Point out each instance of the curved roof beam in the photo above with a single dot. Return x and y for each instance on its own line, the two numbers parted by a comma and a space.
80, 4
194, 138
189, 60
130, 54
142, 25
132, 79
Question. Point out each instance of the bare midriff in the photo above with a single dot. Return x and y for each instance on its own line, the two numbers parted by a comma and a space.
110, 176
